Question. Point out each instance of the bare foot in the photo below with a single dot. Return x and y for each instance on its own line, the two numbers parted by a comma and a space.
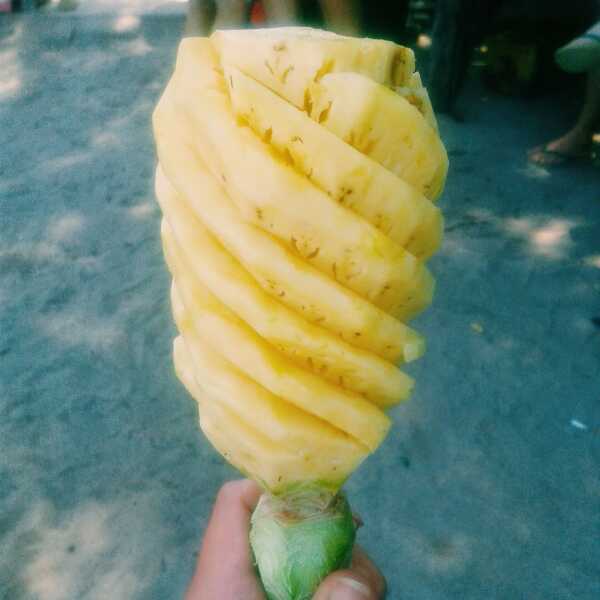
573, 145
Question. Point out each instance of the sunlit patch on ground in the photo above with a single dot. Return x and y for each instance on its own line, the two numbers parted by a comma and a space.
125, 23
548, 238
118, 124
62, 555
15, 35
105, 138
61, 232
137, 47
552, 240
592, 261
89, 263
73, 328
28, 254
545, 237
143, 210
11, 78
534, 172
91, 552
94, 60
65, 161
10, 85
453, 246
65, 228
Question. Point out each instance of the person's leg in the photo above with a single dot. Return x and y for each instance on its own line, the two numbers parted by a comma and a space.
590, 112
448, 51
205, 15
230, 14
200, 17
343, 16
577, 140
281, 12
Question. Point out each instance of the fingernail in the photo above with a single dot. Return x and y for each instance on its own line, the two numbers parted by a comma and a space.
349, 589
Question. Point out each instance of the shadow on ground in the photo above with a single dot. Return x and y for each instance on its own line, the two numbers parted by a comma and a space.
489, 485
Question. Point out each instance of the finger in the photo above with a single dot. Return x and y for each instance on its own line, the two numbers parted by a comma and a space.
362, 581
224, 568
227, 531
364, 566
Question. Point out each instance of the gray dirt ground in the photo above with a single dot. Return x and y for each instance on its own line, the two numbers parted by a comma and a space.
488, 487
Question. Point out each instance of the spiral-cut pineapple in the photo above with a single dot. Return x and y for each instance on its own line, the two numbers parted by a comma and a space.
296, 178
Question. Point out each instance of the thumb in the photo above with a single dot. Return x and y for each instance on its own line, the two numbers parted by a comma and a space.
362, 581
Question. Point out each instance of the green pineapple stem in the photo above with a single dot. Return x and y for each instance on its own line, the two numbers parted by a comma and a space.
299, 538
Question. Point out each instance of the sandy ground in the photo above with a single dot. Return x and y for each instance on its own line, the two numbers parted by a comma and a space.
488, 487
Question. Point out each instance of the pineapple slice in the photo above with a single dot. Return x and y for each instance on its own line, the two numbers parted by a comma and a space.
295, 285
418, 96
271, 416
278, 464
316, 295
359, 256
193, 50
291, 315
214, 323
288, 60
353, 179
383, 125
308, 346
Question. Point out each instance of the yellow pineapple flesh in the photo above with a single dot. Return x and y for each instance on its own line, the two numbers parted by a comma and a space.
359, 257
345, 410
296, 178
352, 179
267, 439
306, 345
280, 272
383, 125
288, 60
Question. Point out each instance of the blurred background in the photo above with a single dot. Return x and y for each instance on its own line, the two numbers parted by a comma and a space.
489, 485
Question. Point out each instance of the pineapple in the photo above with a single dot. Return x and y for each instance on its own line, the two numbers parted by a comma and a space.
360, 257
353, 180
288, 60
354, 88
417, 95
383, 125
281, 273
214, 323
308, 346
313, 449
275, 464
297, 176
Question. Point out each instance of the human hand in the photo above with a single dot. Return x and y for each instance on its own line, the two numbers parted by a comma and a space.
225, 571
